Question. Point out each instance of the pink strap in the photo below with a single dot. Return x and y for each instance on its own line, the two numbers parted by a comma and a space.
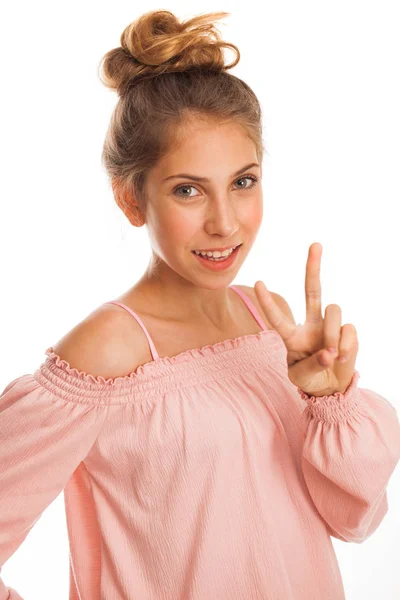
154, 352
250, 305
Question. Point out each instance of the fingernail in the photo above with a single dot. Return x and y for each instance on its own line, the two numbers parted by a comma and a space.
332, 350
342, 359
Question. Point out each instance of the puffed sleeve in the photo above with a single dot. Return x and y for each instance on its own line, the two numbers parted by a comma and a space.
351, 448
45, 432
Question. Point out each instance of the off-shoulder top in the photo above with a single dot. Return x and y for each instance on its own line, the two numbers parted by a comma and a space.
201, 476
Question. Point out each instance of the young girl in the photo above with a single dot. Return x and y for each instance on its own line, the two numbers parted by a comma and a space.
207, 446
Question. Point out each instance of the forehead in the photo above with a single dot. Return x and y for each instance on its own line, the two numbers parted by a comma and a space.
199, 147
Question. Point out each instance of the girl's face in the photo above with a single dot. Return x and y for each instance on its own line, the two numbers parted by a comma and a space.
223, 209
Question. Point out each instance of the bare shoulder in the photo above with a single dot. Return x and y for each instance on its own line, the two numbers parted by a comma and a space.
280, 301
103, 343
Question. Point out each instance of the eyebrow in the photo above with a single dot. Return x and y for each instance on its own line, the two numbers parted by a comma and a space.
195, 178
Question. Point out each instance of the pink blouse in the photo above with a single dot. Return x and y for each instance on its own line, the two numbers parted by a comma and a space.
202, 476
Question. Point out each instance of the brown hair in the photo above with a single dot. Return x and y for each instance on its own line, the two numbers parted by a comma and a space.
167, 72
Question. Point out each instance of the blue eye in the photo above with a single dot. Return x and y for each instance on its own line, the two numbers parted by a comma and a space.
252, 177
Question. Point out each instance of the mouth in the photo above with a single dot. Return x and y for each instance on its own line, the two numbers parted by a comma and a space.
220, 263
234, 248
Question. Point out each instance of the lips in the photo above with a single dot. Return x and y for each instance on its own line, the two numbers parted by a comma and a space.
216, 250
218, 265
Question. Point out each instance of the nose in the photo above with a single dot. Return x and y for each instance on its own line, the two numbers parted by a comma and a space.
221, 218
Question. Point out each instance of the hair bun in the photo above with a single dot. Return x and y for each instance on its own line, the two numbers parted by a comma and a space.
157, 42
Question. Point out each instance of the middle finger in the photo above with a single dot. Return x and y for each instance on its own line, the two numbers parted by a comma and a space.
313, 284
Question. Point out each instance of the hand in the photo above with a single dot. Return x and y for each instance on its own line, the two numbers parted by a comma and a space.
311, 366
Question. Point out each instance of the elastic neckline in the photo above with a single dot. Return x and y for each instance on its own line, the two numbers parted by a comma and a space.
149, 367
197, 366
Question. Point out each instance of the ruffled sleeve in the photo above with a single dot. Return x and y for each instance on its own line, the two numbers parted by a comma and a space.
45, 432
351, 448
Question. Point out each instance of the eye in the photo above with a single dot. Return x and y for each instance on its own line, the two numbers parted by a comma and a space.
249, 187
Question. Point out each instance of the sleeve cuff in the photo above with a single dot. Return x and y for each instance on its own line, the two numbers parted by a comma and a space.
337, 407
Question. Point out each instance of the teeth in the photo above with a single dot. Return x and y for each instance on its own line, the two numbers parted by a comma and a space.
216, 253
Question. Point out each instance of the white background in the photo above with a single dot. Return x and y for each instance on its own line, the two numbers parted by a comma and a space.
327, 77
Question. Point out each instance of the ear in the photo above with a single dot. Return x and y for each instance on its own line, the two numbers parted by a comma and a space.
127, 204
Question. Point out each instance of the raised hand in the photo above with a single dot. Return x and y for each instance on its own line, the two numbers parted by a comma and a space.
311, 365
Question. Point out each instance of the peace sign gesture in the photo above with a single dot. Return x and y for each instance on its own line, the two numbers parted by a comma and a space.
311, 366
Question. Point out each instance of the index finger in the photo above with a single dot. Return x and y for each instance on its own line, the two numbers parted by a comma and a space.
274, 314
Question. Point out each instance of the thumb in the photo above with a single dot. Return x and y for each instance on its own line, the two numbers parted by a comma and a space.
304, 371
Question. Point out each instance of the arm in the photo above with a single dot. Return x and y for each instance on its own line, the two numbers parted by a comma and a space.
43, 438
48, 425
351, 448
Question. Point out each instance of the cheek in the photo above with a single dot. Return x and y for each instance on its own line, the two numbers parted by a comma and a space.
252, 214
174, 227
